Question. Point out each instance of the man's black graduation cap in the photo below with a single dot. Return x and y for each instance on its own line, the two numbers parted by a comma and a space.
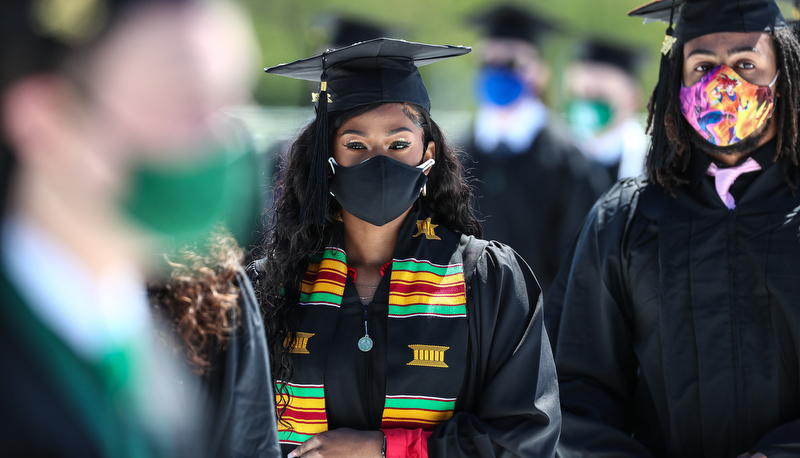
510, 21
702, 17
374, 71
696, 18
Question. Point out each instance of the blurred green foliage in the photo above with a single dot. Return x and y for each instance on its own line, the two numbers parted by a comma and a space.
290, 29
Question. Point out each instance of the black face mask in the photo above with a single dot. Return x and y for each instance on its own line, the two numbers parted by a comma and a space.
379, 189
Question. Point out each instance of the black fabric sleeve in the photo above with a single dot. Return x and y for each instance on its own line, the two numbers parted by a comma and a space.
592, 338
509, 403
781, 442
246, 403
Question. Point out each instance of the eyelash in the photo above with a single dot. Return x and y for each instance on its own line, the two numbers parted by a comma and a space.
400, 144
355, 145
705, 68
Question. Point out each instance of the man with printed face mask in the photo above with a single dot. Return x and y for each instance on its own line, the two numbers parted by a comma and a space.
534, 185
103, 108
675, 320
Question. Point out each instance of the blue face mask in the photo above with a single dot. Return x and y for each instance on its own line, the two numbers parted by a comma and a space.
499, 85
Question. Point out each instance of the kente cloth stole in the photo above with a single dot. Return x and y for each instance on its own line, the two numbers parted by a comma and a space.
427, 333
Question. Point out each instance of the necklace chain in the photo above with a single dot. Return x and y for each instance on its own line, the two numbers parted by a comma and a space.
366, 297
366, 286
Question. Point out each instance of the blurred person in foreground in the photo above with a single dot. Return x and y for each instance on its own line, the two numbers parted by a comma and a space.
534, 186
99, 100
604, 98
393, 330
675, 321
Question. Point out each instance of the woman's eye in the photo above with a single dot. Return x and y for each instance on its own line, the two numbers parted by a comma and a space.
746, 66
400, 144
701, 68
354, 145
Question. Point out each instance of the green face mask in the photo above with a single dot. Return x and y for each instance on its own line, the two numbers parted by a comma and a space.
588, 117
185, 201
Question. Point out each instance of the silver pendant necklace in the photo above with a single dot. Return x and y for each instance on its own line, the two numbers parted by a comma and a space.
365, 343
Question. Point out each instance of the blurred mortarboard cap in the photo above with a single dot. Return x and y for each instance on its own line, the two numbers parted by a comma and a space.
70, 22
510, 21
375, 71
344, 31
36, 35
696, 18
624, 57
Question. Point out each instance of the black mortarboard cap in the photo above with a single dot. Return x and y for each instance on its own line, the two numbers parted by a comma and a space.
510, 21
618, 55
374, 71
701, 17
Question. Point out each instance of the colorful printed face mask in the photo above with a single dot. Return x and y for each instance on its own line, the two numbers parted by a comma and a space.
724, 108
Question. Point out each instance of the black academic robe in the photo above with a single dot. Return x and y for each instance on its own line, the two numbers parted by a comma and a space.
235, 398
508, 401
676, 325
535, 201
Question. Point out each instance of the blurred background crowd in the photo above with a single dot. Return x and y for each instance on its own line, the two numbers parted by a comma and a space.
288, 29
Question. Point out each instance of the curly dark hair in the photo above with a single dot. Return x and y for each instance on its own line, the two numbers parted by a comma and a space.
199, 298
668, 157
290, 243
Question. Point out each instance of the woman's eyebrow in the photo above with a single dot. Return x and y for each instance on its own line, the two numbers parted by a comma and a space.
398, 130
354, 132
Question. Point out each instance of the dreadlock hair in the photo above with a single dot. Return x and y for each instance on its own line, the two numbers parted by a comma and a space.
668, 157
290, 244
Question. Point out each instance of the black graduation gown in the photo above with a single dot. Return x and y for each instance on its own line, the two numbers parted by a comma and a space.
508, 403
236, 397
676, 324
535, 201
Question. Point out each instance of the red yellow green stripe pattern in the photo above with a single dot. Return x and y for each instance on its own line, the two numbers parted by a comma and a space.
305, 413
323, 283
411, 412
422, 288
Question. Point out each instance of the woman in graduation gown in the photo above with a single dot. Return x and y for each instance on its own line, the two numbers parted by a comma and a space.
211, 319
392, 328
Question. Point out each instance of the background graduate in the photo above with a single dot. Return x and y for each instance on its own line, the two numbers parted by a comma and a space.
604, 99
534, 186
675, 323
391, 326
